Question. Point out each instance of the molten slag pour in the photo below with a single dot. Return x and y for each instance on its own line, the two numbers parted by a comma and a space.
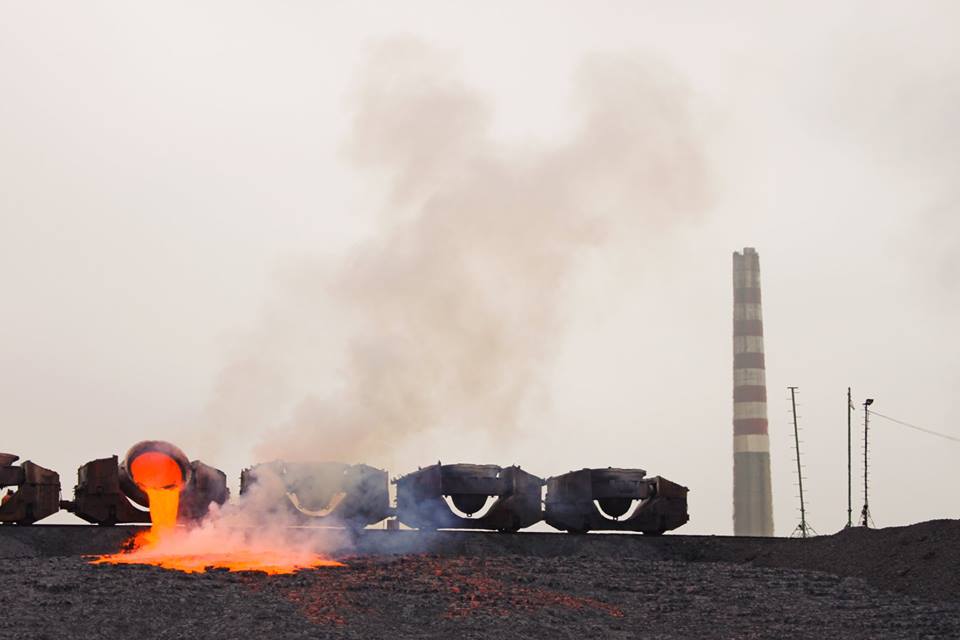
208, 547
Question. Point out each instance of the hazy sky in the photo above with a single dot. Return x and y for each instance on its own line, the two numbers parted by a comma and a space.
202, 203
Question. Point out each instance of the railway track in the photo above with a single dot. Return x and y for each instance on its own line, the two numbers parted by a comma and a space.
82, 539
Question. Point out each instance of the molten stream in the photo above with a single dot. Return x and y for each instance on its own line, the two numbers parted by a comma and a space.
159, 476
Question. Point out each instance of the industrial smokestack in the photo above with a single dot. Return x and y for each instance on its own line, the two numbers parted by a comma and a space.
752, 497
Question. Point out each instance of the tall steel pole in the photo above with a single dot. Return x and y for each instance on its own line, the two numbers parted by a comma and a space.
849, 460
865, 514
796, 442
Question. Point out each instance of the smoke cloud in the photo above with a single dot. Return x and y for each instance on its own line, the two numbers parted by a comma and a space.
449, 314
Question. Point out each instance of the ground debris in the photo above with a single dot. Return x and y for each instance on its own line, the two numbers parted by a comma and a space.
856, 584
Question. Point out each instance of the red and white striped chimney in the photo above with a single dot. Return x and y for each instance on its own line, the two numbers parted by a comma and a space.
752, 497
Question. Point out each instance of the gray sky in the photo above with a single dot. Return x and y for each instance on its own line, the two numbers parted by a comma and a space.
186, 187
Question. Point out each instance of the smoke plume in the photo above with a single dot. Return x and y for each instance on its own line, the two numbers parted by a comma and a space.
450, 313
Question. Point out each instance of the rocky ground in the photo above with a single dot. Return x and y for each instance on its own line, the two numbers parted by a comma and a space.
892, 583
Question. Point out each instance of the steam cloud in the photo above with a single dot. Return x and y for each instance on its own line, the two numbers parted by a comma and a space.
452, 310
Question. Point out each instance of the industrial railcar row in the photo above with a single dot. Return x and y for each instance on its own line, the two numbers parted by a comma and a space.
440, 496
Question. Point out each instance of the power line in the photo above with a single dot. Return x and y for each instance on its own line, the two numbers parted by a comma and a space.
913, 426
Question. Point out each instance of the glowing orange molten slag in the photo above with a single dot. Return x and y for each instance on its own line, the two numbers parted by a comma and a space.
159, 476
210, 545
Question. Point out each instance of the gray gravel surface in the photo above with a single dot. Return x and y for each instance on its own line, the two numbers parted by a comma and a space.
920, 560
430, 596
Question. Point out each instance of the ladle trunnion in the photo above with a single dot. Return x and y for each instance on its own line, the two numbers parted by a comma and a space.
615, 500
469, 496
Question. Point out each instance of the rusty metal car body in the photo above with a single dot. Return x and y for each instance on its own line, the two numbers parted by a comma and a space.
98, 498
37, 493
320, 493
614, 500
469, 496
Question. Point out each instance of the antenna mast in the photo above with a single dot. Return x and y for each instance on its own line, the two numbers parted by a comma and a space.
803, 530
865, 519
849, 461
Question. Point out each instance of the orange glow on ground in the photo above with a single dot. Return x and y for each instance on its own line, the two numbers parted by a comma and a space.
197, 550
270, 561
159, 476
